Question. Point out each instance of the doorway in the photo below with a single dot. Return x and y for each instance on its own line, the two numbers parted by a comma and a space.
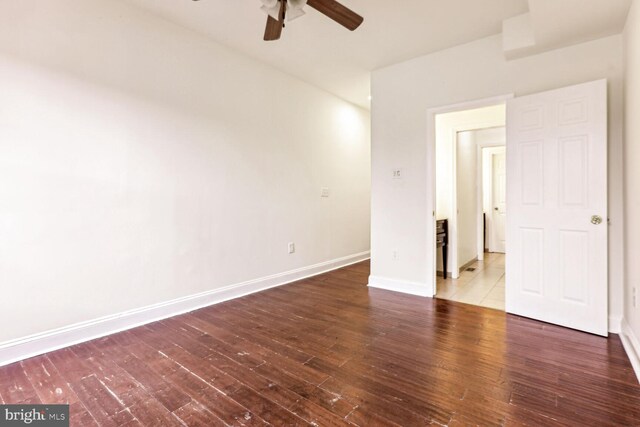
556, 229
471, 188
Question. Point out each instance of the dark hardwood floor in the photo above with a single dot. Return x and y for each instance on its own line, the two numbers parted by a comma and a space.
330, 351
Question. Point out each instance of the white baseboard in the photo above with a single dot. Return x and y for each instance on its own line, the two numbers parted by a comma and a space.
615, 324
34, 345
404, 286
632, 346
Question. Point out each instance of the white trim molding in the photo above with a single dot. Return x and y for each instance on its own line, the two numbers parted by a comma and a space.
615, 324
631, 345
34, 345
404, 286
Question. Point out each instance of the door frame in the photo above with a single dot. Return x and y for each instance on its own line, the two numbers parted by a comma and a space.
431, 167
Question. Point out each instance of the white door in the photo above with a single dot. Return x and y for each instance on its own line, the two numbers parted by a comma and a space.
556, 261
499, 203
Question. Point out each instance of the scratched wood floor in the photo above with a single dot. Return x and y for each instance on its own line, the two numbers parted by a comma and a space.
330, 351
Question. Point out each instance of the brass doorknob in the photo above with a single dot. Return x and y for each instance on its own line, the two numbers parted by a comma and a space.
596, 220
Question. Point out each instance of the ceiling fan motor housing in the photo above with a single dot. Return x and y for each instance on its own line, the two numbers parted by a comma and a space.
293, 8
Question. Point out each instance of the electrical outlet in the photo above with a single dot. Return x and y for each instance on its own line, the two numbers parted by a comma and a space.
395, 256
397, 174
292, 247
324, 192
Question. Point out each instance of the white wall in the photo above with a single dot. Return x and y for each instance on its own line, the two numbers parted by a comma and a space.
467, 197
493, 136
447, 127
140, 163
403, 93
632, 172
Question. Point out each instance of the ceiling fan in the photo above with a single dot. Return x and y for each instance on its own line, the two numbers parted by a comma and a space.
279, 10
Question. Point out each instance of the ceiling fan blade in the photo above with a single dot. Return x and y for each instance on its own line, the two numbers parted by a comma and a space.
274, 27
273, 30
339, 13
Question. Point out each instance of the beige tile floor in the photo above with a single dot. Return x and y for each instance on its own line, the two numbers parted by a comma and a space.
484, 286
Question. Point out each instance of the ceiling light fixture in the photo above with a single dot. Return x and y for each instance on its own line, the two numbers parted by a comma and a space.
271, 8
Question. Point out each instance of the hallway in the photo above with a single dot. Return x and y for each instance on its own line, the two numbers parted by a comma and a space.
484, 286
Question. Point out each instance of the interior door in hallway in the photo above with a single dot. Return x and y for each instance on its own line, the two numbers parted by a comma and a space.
556, 265
499, 195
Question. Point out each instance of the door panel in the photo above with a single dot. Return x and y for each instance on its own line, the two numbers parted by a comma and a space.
573, 265
532, 267
531, 161
573, 183
556, 181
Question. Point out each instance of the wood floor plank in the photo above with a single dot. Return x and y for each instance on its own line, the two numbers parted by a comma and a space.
15, 385
79, 416
315, 394
47, 381
266, 409
196, 415
216, 402
208, 387
170, 397
103, 406
328, 350
374, 407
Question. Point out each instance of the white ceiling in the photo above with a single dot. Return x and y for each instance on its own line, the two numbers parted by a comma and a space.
551, 24
321, 52
591, 19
